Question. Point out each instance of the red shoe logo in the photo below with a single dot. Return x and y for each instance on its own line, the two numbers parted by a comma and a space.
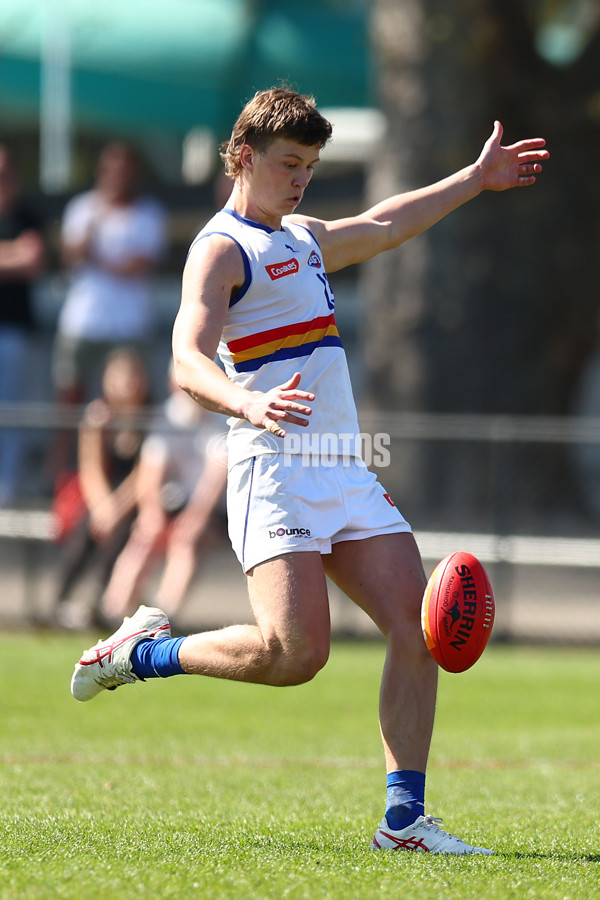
406, 844
106, 650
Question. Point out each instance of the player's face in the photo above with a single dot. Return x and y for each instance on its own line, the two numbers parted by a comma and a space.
279, 176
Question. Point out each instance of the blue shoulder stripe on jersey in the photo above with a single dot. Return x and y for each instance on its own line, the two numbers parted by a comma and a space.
247, 270
251, 365
250, 222
247, 275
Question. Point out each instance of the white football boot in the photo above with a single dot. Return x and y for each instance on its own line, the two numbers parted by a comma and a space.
107, 664
423, 835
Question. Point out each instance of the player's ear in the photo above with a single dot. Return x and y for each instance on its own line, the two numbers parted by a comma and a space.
246, 157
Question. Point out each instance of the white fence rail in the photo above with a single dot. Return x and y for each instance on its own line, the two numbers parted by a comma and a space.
465, 482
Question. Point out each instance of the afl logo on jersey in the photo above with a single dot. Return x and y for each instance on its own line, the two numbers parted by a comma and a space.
278, 270
313, 260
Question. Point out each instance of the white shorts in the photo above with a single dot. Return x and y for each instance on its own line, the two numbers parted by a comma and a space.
278, 504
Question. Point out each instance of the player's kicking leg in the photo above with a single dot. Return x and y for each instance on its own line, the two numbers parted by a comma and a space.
288, 644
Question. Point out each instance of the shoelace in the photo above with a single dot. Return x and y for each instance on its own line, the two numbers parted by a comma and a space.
433, 820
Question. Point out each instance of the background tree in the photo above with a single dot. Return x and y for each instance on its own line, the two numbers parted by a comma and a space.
495, 309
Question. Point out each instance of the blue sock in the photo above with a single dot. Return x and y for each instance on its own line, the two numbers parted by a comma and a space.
157, 658
405, 798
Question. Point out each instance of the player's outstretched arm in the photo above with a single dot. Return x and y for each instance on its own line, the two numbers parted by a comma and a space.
399, 218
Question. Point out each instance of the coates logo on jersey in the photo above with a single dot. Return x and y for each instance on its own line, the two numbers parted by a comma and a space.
314, 261
279, 270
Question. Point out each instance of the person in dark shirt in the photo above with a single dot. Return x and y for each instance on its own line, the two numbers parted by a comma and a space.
21, 262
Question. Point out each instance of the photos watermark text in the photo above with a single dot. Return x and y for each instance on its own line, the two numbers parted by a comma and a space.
330, 449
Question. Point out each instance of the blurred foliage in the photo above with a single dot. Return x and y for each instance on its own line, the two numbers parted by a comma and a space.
496, 309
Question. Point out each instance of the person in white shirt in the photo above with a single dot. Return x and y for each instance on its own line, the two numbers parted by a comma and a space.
113, 237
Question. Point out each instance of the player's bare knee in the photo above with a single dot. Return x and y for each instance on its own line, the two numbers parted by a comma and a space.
307, 664
299, 664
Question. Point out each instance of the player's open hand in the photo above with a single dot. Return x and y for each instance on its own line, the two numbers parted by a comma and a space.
513, 166
284, 403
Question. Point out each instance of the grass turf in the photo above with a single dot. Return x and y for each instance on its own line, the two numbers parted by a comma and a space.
198, 788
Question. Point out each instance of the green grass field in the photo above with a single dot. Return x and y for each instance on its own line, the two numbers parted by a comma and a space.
197, 788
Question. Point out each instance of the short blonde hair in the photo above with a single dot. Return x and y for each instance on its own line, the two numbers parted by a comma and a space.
277, 112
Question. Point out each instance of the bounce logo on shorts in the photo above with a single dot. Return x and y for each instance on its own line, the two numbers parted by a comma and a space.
281, 532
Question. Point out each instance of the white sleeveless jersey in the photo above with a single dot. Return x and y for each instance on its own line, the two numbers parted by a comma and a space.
282, 321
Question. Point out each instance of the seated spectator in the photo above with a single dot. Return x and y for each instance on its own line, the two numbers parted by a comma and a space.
180, 487
109, 443
21, 263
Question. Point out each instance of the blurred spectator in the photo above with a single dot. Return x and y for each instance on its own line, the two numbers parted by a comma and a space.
180, 484
110, 439
21, 262
113, 237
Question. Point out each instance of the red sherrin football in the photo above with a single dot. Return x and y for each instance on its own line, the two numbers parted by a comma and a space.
457, 614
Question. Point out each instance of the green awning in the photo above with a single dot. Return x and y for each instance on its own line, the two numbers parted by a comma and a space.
166, 67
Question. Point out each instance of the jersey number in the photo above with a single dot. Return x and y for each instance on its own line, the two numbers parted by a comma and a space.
327, 288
